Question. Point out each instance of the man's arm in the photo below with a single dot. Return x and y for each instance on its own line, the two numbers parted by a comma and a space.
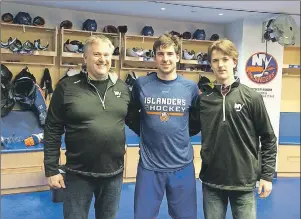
54, 128
194, 114
268, 139
132, 119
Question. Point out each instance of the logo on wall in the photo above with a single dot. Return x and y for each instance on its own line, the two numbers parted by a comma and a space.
261, 68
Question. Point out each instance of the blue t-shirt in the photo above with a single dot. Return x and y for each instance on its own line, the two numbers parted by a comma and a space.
164, 121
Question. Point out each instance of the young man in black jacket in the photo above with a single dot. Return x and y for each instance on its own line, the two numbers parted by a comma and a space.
90, 108
234, 121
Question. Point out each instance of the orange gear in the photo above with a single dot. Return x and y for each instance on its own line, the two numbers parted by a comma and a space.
29, 142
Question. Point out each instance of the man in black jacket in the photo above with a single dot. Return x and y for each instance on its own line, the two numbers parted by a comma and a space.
234, 121
90, 108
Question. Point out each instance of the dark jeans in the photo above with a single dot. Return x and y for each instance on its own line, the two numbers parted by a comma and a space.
79, 193
215, 202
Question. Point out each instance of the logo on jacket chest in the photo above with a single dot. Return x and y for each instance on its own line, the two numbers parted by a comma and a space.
117, 93
238, 106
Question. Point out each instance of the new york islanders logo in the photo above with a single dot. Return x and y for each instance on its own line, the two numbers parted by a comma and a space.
261, 68
164, 117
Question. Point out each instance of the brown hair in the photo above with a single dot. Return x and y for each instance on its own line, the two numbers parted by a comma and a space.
167, 40
225, 46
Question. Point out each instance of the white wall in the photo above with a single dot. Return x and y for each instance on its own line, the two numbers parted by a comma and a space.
54, 16
252, 33
247, 36
234, 32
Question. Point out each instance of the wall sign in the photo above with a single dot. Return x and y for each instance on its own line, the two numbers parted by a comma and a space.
261, 68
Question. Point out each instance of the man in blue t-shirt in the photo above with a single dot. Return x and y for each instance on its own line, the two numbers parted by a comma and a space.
163, 113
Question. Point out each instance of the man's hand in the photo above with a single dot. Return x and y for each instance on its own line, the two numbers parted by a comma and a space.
265, 188
56, 181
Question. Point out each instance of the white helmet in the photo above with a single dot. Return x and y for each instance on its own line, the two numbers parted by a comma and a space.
188, 55
130, 52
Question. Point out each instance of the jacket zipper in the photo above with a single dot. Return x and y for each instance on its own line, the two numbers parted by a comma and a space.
224, 113
104, 96
224, 104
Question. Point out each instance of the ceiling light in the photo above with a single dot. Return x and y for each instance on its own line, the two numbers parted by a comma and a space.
220, 14
163, 9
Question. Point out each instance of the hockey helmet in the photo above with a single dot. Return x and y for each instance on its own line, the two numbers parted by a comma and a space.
73, 46
38, 46
186, 35
66, 24
175, 33
7, 44
90, 25
15, 46
7, 18
122, 29
214, 37
28, 46
147, 31
22, 18
110, 29
188, 55
38, 21
199, 34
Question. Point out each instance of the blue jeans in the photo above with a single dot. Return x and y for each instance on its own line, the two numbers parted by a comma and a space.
215, 202
79, 193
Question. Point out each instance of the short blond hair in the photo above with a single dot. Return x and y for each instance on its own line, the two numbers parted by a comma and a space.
96, 39
226, 46
167, 40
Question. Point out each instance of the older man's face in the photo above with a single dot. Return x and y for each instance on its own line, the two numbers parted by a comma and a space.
98, 59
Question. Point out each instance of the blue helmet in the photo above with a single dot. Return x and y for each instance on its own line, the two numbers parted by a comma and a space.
199, 34
23, 18
90, 25
147, 31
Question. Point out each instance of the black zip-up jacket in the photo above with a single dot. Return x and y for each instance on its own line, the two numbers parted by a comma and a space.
94, 127
232, 127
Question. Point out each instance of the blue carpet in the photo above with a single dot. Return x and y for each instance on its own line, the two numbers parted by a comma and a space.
283, 203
